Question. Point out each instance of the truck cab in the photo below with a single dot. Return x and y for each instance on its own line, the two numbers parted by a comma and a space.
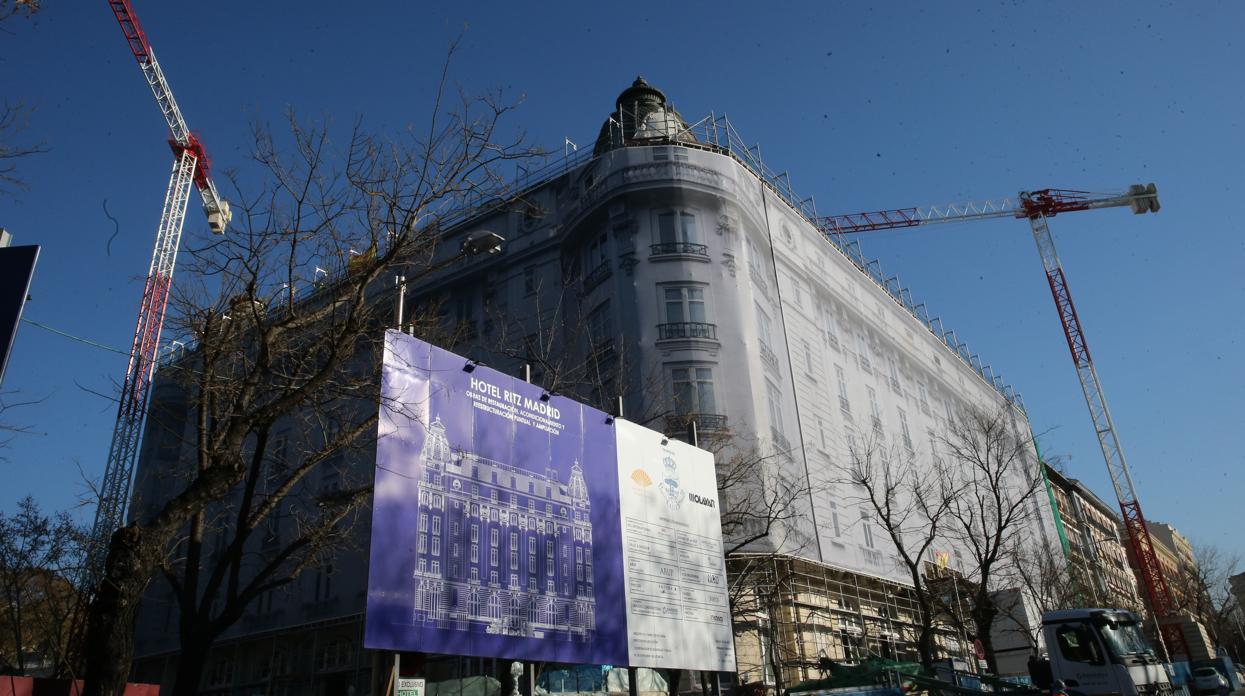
1102, 652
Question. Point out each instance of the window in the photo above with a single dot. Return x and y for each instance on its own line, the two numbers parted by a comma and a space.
436, 525
677, 226
693, 389
808, 359
895, 385
600, 324
832, 331
924, 395
684, 304
422, 545
866, 526
436, 546
775, 406
664, 154
597, 252
1077, 644
529, 280
875, 411
834, 518
475, 533
862, 345
844, 403
798, 290
754, 261
763, 326
903, 428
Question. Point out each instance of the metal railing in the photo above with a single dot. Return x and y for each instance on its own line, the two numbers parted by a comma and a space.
781, 443
687, 248
713, 133
768, 357
597, 275
705, 423
687, 329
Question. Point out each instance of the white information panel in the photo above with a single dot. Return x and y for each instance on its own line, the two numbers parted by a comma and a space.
678, 614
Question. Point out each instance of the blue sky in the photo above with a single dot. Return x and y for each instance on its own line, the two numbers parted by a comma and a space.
867, 108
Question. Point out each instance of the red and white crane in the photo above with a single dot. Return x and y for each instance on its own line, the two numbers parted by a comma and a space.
1036, 207
190, 168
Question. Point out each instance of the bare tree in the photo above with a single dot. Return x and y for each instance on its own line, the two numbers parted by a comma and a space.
15, 114
1202, 590
286, 315
911, 502
38, 555
997, 479
1047, 582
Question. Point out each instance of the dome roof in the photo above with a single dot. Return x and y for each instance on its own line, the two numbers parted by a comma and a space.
640, 90
641, 113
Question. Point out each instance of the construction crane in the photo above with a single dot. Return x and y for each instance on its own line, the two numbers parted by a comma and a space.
190, 167
1037, 207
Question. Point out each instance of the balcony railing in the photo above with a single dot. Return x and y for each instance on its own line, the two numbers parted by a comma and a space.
768, 357
678, 423
597, 276
686, 248
781, 443
688, 329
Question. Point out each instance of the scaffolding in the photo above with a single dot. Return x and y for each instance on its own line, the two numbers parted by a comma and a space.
790, 613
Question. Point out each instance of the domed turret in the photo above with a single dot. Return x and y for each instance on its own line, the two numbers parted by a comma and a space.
641, 113
577, 487
436, 451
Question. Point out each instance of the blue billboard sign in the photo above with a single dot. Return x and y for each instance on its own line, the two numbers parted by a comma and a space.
504, 525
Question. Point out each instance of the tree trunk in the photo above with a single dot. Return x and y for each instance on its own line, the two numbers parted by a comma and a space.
191, 663
925, 639
110, 620
983, 621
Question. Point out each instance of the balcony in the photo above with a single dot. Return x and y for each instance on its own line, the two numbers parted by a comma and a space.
687, 329
597, 276
687, 335
699, 252
781, 443
768, 357
677, 424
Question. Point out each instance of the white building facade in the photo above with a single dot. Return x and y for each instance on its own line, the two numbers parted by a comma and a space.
696, 284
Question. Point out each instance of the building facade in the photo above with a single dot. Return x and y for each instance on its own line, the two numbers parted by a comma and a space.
1096, 550
672, 270
516, 547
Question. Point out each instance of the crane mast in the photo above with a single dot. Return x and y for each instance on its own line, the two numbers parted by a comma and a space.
190, 168
1037, 207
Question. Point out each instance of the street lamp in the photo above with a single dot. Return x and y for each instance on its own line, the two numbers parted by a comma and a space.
483, 242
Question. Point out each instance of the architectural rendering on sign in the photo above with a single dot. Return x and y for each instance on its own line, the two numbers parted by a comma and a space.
500, 549
471, 555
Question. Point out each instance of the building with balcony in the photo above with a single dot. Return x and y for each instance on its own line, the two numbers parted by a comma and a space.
668, 271
1096, 550
496, 545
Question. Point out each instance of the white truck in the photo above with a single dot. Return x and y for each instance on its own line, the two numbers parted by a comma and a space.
1099, 652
